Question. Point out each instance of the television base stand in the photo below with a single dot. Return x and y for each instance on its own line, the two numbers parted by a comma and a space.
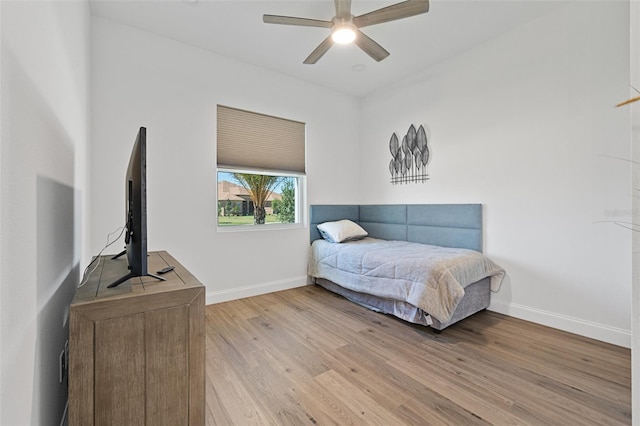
122, 253
129, 276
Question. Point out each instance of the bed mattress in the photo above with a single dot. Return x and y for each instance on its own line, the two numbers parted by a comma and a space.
407, 275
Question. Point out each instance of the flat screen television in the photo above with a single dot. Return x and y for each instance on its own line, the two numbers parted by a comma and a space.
136, 212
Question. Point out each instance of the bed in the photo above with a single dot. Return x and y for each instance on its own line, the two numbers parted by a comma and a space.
372, 271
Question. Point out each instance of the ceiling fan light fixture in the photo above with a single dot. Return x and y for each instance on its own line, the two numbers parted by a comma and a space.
345, 28
344, 34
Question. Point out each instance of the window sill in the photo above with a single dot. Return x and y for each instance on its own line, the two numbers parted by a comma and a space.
254, 228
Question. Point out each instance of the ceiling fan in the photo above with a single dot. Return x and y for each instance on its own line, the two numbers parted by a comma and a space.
345, 28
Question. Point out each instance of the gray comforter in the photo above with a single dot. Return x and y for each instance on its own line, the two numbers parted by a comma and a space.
429, 277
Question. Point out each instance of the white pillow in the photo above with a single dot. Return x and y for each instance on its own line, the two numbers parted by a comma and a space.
341, 231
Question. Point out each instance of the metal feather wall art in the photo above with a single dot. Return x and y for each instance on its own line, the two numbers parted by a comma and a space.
410, 157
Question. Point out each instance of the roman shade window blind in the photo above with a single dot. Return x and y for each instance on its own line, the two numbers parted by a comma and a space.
253, 141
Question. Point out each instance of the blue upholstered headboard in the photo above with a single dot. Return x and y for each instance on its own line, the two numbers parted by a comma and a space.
448, 225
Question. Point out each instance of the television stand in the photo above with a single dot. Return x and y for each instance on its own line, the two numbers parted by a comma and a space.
137, 352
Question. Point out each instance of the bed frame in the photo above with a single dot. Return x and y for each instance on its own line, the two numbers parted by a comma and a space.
448, 225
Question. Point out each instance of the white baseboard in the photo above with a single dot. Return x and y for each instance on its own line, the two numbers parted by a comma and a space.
605, 333
254, 290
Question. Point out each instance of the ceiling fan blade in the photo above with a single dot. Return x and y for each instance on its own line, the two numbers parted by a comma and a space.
343, 9
391, 13
291, 20
370, 47
319, 51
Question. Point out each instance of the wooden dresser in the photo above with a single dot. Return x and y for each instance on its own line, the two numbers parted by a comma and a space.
137, 351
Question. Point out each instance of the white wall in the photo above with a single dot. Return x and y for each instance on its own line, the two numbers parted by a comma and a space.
43, 145
524, 124
634, 111
140, 79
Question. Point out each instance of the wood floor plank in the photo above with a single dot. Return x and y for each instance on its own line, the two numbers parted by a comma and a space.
484, 402
361, 406
229, 400
520, 386
308, 356
233, 333
563, 369
396, 391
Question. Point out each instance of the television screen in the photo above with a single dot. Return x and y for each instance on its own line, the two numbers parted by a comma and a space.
136, 211
136, 202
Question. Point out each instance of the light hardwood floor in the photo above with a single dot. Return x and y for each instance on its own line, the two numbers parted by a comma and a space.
307, 356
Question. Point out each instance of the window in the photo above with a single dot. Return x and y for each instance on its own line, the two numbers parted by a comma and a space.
261, 169
238, 191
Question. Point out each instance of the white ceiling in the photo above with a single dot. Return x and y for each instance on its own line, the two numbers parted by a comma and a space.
234, 28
